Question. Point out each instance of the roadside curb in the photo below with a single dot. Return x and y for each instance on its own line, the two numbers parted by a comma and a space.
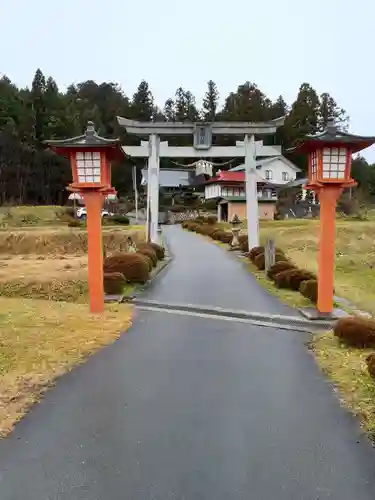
276, 319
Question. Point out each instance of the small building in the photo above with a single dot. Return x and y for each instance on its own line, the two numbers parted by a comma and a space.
228, 187
171, 181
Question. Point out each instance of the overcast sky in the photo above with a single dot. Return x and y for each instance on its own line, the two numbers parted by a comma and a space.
277, 44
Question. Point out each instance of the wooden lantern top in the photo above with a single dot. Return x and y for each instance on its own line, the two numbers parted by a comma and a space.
89, 141
333, 137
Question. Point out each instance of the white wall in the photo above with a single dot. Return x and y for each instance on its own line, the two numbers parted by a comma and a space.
216, 191
212, 191
278, 167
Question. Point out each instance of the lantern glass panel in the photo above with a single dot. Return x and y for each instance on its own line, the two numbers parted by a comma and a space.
314, 164
88, 167
334, 162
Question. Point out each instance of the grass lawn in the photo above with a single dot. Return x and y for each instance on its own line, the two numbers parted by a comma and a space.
41, 340
346, 367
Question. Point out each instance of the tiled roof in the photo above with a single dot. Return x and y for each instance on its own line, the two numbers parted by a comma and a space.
226, 176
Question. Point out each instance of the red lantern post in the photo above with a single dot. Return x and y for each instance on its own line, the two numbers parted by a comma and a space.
90, 158
330, 156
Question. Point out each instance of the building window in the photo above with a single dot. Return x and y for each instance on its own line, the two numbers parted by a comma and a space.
269, 175
285, 176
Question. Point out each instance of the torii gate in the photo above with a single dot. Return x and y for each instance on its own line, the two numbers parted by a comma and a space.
153, 149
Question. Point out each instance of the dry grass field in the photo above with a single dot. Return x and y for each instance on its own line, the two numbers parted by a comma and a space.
51, 263
45, 324
355, 254
355, 281
40, 340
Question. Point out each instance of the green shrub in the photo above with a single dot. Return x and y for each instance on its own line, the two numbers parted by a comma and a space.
120, 219
282, 265
74, 223
159, 250
133, 265
309, 289
355, 331
370, 361
114, 283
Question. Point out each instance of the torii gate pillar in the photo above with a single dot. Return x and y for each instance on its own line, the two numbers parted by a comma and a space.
251, 192
153, 188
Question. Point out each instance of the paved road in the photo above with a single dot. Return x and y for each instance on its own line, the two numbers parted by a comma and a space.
187, 408
204, 274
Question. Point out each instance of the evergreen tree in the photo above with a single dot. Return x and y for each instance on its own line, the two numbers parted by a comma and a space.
304, 115
329, 109
169, 110
38, 88
142, 105
210, 102
185, 107
249, 103
29, 174
279, 108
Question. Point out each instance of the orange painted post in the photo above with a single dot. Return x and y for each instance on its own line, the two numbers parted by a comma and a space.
330, 157
90, 158
328, 196
94, 204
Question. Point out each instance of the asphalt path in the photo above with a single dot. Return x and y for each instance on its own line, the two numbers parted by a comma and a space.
190, 408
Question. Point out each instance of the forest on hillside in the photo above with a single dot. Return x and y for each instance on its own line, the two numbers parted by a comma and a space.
30, 174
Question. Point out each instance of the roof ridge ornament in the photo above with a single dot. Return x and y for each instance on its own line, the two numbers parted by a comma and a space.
332, 127
90, 130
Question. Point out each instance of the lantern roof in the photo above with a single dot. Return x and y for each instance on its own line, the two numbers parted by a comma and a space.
332, 136
89, 140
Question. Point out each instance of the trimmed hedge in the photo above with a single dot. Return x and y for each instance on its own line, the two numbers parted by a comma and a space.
114, 283
281, 279
133, 265
278, 267
121, 219
259, 260
224, 236
309, 289
211, 220
159, 250
370, 361
150, 253
355, 331
254, 252
297, 276
244, 242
